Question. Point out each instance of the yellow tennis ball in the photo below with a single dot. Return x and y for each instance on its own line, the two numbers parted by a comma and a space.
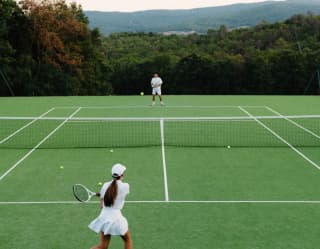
142, 93
61, 167
228, 146
100, 183
111, 151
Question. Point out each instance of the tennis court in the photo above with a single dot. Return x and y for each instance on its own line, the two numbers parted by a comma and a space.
188, 188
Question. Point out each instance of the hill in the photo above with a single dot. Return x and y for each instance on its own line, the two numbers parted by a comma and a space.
200, 20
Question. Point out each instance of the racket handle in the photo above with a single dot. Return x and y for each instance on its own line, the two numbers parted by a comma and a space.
98, 194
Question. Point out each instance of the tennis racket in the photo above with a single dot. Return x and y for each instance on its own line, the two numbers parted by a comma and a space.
83, 194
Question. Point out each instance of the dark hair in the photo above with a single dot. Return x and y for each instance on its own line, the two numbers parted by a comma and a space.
111, 193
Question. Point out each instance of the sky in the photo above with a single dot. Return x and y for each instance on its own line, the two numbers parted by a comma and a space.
136, 5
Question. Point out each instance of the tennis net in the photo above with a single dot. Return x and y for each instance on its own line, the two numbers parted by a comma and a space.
76, 132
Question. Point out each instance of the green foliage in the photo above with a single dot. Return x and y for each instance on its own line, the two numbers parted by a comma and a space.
265, 59
7, 9
46, 48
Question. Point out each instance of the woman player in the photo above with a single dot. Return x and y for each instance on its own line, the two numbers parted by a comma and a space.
110, 221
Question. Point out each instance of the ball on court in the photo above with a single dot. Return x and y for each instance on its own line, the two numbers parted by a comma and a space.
228, 146
142, 93
100, 183
61, 167
111, 151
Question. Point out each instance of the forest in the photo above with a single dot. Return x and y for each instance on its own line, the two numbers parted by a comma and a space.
47, 48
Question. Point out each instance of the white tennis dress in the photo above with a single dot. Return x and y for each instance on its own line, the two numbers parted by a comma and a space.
110, 221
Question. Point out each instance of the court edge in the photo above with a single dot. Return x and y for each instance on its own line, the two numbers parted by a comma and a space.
172, 202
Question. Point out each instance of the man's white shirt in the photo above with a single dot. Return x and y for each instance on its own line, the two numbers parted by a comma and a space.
156, 82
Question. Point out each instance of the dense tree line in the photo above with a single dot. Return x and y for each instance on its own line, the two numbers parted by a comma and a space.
274, 58
47, 48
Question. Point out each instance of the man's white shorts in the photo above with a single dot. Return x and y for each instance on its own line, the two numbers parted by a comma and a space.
156, 90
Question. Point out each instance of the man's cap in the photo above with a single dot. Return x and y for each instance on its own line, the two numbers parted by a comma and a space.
118, 170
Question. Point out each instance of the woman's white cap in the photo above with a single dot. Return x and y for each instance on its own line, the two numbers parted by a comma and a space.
118, 170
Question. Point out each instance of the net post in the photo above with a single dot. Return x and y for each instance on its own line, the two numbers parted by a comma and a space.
7, 83
318, 77
309, 84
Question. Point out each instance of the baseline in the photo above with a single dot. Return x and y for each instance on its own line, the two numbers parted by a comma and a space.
149, 106
181, 201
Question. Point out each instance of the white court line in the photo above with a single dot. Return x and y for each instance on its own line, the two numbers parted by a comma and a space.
66, 107
281, 139
165, 178
37, 146
213, 118
291, 121
149, 106
167, 106
181, 201
25, 126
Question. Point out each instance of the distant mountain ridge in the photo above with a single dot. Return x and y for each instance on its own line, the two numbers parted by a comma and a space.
200, 20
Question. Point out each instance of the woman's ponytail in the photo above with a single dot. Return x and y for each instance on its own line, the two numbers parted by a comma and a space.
111, 194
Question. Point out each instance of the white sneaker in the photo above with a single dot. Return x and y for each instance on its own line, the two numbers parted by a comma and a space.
161, 103
153, 103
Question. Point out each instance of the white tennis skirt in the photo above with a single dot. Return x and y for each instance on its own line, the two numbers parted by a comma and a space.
110, 222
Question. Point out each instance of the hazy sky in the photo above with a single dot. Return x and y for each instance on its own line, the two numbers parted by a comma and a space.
134, 5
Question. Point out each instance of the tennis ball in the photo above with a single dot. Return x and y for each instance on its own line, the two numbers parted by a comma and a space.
111, 151
228, 146
142, 93
61, 167
100, 183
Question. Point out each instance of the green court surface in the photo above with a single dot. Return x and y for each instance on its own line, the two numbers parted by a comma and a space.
226, 172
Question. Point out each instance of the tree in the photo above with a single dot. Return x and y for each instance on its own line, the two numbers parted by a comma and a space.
15, 59
57, 30
65, 51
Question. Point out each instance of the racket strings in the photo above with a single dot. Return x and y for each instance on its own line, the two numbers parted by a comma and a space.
80, 193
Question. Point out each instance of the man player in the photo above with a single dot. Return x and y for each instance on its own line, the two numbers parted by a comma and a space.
156, 83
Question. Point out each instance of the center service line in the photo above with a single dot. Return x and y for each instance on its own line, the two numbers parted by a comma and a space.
166, 191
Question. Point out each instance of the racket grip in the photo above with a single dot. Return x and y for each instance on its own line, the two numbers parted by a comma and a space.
98, 194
